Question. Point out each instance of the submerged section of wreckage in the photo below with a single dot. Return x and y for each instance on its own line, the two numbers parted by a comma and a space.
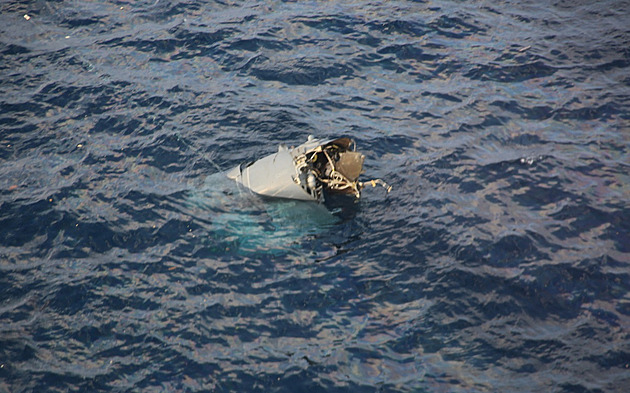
307, 172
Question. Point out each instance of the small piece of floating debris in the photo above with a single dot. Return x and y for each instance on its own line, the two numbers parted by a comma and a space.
307, 172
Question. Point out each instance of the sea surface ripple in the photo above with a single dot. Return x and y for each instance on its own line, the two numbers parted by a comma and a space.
499, 262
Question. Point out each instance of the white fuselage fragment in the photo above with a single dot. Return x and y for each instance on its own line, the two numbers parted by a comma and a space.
303, 172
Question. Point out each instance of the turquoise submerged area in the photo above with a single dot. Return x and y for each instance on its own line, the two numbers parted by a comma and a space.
499, 262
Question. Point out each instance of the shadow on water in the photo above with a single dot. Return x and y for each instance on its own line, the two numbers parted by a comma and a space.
238, 221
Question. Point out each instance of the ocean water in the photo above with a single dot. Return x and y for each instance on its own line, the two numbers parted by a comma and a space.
500, 261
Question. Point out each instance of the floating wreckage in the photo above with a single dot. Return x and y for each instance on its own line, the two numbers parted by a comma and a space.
307, 172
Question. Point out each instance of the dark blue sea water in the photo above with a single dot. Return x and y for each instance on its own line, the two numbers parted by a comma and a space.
500, 261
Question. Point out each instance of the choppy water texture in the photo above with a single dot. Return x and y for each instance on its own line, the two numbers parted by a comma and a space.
499, 262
